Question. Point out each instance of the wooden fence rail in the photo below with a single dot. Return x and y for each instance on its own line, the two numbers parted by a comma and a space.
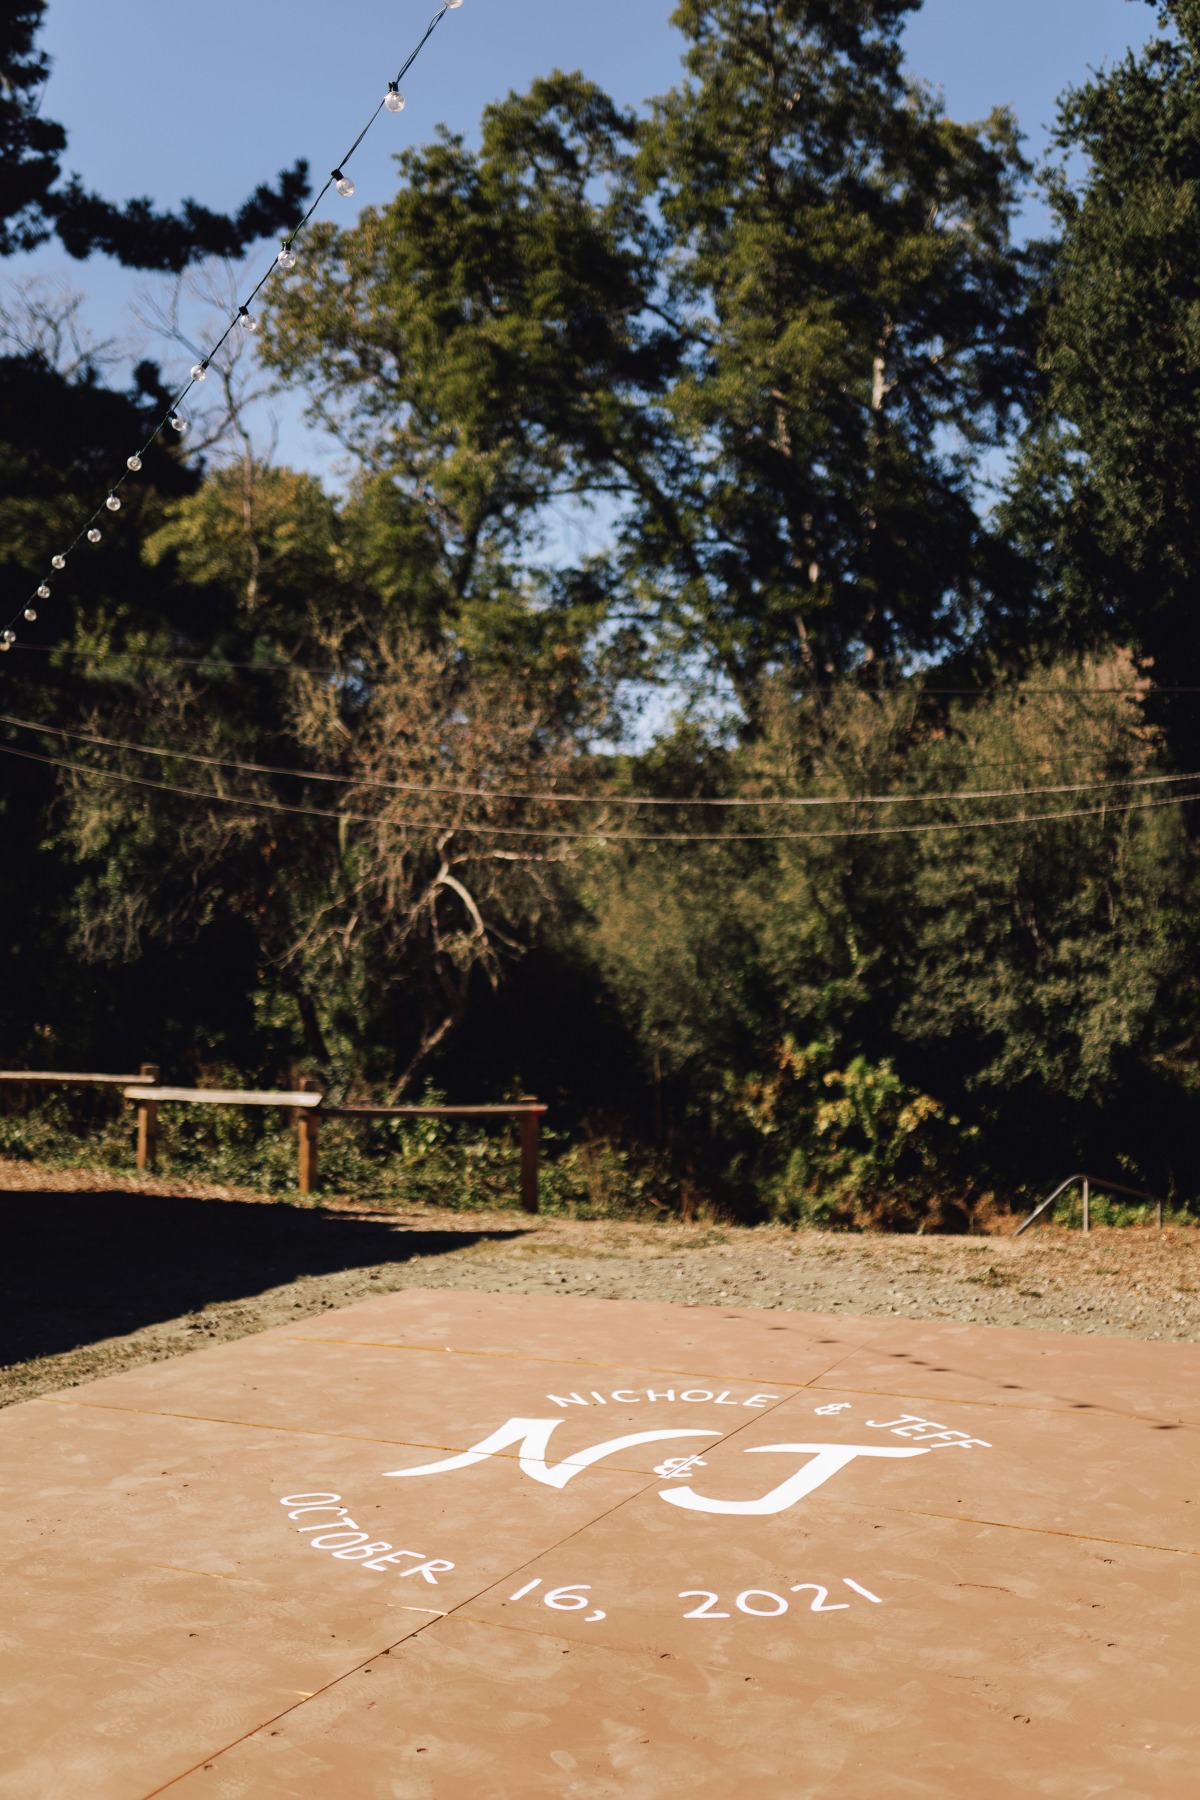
51, 1078
305, 1102
149, 1099
26, 1078
310, 1109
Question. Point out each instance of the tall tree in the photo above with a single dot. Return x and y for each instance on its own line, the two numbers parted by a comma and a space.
850, 301
1107, 496
775, 324
33, 206
482, 346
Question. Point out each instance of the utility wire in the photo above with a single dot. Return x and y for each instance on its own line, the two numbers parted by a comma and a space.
1048, 759
548, 797
598, 835
174, 414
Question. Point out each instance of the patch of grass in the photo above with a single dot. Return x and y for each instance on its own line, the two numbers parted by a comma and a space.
1111, 1210
703, 1240
992, 1278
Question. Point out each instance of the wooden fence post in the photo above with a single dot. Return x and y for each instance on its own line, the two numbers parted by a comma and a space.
308, 1129
529, 1155
147, 1125
147, 1136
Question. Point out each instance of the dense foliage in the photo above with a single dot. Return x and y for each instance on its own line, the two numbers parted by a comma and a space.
894, 911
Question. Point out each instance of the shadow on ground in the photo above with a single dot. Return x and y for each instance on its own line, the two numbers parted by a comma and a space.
79, 1267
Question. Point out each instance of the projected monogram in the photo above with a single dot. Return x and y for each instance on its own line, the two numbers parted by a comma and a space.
531, 1438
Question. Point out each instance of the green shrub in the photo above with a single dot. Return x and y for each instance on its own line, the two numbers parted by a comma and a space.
390, 1163
854, 1146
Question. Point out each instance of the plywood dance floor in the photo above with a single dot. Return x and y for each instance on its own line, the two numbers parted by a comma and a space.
449, 1544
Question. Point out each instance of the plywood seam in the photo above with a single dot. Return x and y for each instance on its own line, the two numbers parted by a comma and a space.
453, 1613
342, 1437
1078, 1537
569, 1362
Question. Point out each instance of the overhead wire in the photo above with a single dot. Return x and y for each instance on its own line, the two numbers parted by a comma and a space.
551, 797
1034, 760
174, 413
598, 834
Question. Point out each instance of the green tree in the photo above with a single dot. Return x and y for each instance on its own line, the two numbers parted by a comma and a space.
889, 994
772, 327
479, 344
33, 205
850, 309
356, 893
1107, 498
1050, 973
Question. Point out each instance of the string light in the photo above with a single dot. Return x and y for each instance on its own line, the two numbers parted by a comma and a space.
285, 260
43, 592
31, 613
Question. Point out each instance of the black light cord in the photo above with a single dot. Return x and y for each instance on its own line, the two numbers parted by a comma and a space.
174, 411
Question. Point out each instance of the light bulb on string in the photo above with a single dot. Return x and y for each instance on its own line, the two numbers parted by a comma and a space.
43, 592
394, 102
31, 613
8, 640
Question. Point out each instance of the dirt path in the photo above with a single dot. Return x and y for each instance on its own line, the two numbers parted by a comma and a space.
101, 1275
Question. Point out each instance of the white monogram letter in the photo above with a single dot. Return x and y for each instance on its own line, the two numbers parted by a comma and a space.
533, 1436
827, 1459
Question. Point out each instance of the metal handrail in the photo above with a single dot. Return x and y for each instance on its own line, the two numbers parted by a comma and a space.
1116, 1187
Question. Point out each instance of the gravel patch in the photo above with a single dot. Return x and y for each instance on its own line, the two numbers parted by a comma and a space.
103, 1275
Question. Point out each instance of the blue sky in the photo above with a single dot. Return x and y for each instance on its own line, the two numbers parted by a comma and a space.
172, 100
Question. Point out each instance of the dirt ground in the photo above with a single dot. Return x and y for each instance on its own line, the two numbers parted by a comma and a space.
101, 1274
